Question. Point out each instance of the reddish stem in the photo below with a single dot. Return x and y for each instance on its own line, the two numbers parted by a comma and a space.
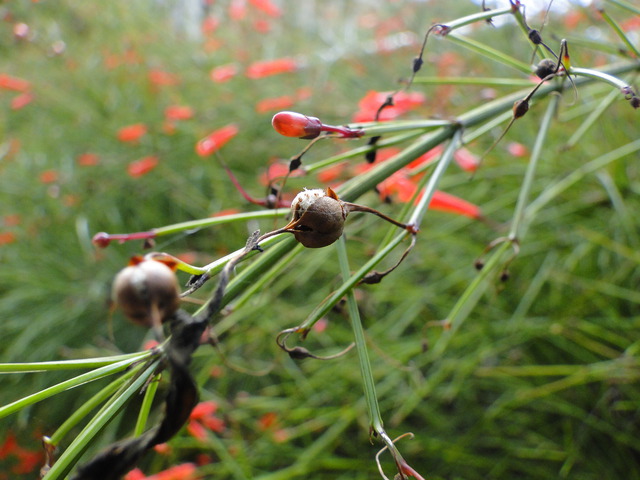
103, 239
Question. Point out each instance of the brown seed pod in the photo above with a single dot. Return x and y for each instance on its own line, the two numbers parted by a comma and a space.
147, 292
318, 217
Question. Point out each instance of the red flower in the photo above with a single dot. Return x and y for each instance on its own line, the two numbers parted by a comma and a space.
275, 103
5, 239
8, 82
203, 419
162, 78
216, 140
446, 202
88, 159
262, 26
21, 101
223, 73
143, 166
178, 112
371, 102
237, 9
209, 25
267, 7
49, 176
332, 173
468, 161
517, 149
271, 67
132, 133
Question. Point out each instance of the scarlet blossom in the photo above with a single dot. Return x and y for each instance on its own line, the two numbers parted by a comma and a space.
517, 149
88, 159
402, 102
15, 84
178, 112
237, 9
223, 73
141, 167
267, 68
48, 176
132, 133
267, 6
445, 202
468, 161
426, 158
399, 185
276, 170
267, 420
11, 220
332, 173
632, 23
185, 471
209, 25
262, 25
275, 104
216, 140
162, 78
202, 419
21, 101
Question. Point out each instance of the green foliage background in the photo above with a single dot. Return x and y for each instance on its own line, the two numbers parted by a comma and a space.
540, 382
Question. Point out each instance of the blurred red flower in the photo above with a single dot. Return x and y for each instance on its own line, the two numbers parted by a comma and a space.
223, 73
88, 159
16, 84
48, 176
143, 166
275, 104
468, 161
132, 133
203, 419
216, 140
21, 101
178, 112
162, 78
267, 6
402, 102
267, 68
237, 9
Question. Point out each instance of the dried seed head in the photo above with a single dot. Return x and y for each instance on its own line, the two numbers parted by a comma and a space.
147, 292
318, 217
545, 68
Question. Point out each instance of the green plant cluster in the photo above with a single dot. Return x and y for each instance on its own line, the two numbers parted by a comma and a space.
526, 368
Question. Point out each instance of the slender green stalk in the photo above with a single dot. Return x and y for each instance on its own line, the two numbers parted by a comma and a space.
477, 17
469, 298
490, 52
86, 407
91, 376
69, 364
516, 232
350, 283
478, 81
360, 151
600, 75
561, 185
593, 117
624, 4
616, 28
80, 443
434, 180
222, 220
145, 408
361, 346
376, 128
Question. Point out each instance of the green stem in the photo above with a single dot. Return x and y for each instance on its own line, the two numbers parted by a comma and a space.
479, 81
523, 198
599, 75
434, 180
361, 347
70, 364
86, 407
81, 442
476, 17
63, 386
145, 408
490, 52
616, 28
627, 5
322, 309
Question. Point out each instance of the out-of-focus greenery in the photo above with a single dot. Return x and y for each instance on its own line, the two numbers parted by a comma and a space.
541, 381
